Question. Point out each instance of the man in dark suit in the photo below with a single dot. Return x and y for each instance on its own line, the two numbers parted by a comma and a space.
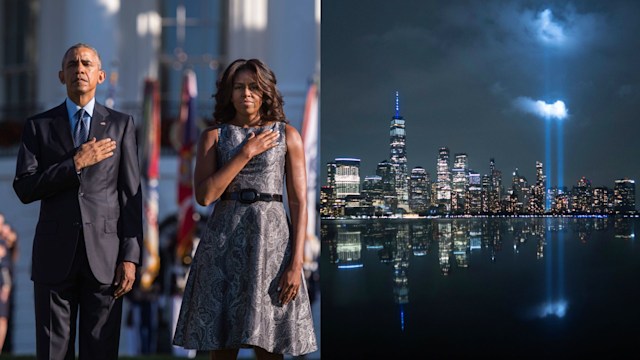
88, 237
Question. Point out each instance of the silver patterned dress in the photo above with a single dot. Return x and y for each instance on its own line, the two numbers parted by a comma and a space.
231, 297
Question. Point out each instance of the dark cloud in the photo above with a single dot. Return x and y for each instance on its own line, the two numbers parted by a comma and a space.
460, 65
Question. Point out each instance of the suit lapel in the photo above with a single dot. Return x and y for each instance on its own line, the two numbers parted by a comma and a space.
99, 122
62, 128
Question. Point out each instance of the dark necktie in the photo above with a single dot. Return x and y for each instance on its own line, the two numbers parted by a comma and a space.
81, 131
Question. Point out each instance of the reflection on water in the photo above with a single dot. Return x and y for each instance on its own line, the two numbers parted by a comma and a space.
539, 256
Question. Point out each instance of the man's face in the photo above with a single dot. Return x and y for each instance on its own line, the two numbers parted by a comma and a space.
81, 72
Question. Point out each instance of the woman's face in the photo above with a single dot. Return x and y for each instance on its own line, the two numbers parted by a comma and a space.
246, 96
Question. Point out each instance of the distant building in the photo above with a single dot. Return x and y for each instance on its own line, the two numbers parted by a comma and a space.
419, 192
559, 200
443, 181
358, 205
602, 200
331, 177
387, 172
624, 193
373, 192
398, 150
460, 183
520, 192
486, 191
495, 190
538, 191
328, 204
474, 195
582, 197
347, 177
343, 179
372, 186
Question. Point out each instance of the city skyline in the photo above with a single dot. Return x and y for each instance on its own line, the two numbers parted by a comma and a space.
459, 190
516, 81
506, 177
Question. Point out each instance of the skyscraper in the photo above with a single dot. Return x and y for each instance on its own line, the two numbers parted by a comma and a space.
558, 199
582, 197
460, 182
443, 192
347, 177
520, 192
419, 190
485, 186
397, 140
387, 173
602, 200
624, 193
473, 204
372, 190
537, 199
331, 176
495, 193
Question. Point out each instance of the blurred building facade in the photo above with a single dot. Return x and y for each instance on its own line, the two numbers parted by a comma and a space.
156, 39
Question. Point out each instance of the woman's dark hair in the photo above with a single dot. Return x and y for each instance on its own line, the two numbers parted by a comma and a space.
272, 103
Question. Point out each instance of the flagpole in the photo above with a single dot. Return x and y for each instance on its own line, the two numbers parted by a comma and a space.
150, 160
309, 135
186, 207
187, 216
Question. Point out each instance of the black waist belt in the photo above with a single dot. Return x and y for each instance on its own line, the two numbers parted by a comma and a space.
249, 196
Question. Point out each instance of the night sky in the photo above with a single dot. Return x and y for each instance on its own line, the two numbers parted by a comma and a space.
517, 81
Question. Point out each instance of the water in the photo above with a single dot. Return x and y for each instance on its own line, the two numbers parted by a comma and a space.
503, 287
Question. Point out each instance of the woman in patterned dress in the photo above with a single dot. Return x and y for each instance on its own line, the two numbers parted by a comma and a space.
246, 286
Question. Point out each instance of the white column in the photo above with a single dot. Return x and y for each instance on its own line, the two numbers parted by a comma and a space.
293, 38
60, 26
126, 34
140, 25
247, 24
285, 34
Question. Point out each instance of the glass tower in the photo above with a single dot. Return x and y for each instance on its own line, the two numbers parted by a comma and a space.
537, 199
460, 183
443, 192
419, 190
397, 140
347, 177
624, 193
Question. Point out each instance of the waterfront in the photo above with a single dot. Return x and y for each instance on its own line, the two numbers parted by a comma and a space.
504, 287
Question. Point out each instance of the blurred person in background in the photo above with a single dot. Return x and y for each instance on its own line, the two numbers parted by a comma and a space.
8, 256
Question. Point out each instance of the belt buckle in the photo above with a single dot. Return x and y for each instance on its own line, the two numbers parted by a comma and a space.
248, 196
